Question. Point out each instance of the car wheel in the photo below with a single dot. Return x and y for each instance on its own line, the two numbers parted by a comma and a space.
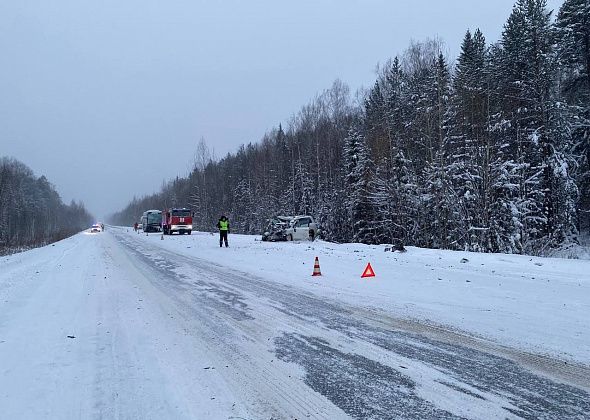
190, 231
289, 238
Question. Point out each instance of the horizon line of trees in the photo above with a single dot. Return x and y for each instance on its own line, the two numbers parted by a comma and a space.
490, 154
31, 211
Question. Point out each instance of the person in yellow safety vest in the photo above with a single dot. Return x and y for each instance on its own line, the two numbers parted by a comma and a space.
223, 226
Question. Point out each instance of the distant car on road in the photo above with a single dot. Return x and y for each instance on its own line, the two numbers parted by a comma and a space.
96, 228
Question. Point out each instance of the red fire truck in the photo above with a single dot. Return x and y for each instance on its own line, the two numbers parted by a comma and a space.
177, 220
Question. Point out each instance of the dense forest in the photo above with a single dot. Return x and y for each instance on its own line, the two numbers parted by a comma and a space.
31, 211
490, 153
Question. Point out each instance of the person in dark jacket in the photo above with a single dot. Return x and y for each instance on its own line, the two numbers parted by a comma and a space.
223, 226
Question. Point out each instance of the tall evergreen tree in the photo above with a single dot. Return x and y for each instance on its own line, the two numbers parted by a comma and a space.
395, 185
524, 87
359, 178
572, 28
439, 196
469, 141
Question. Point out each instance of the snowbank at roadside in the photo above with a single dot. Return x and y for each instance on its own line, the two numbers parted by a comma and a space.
539, 304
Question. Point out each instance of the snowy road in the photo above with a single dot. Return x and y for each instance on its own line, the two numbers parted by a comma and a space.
160, 335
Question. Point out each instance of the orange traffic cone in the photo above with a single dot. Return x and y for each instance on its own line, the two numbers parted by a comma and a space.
368, 272
316, 268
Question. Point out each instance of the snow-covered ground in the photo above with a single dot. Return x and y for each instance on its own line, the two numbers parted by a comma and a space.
75, 344
537, 304
125, 325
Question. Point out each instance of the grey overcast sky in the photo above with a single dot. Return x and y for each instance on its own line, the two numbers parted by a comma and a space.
109, 98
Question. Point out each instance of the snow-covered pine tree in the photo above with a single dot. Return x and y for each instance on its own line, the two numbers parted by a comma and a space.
385, 197
359, 177
505, 227
395, 189
524, 101
572, 30
391, 192
439, 198
333, 215
375, 129
378, 140
468, 142
419, 115
304, 190
242, 206
421, 134
562, 164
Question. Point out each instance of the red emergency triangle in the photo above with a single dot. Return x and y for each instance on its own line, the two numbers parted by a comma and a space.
368, 272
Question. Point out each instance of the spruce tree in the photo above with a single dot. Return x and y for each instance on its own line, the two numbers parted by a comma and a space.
469, 142
439, 196
572, 30
523, 89
359, 179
